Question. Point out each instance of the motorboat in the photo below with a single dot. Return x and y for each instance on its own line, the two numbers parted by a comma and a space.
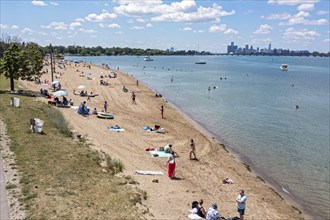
284, 67
200, 62
148, 58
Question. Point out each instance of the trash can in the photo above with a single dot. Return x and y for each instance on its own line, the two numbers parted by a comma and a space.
38, 125
16, 102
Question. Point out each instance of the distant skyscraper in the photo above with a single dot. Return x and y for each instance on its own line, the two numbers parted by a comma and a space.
231, 48
270, 47
172, 49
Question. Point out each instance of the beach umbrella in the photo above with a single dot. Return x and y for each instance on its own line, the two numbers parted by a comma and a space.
60, 93
81, 87
54, 82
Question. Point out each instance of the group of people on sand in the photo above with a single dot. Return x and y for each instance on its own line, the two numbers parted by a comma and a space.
213, 214
171, 165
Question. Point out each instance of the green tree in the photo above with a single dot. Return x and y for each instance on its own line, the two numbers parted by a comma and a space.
21, 63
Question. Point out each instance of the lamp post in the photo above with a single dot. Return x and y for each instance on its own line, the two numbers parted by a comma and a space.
51, 63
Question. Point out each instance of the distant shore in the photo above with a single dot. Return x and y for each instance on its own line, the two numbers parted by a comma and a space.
197, 179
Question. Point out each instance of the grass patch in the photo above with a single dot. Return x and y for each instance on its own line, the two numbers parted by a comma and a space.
11, 186
60, 177
57, 119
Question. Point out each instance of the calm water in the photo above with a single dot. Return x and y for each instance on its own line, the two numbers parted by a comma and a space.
254, 112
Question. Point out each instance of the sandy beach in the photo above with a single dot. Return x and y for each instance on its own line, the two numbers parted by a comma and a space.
167, 199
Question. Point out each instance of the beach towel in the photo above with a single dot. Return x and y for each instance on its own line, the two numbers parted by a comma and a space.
74, 107
149, 172
159, 130
156, 153
116, 128
194, 216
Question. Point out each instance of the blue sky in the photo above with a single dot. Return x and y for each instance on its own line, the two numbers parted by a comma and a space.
187, 24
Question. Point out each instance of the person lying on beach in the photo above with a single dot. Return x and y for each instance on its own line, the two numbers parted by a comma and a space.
227, 181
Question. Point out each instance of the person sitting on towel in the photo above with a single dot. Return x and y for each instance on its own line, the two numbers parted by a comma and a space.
168, 148
94, 112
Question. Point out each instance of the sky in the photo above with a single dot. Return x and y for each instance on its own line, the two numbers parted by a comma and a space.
161, 24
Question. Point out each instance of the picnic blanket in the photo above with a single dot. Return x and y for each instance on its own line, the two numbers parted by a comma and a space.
156, 153
159, 130
149, 172
116, 129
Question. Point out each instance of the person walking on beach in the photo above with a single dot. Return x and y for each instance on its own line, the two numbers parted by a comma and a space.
162, 111
133, 98
171, 165
192, 150
105, 106
241, 202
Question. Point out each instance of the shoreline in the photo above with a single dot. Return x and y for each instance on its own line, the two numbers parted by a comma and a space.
307, 212
264, 202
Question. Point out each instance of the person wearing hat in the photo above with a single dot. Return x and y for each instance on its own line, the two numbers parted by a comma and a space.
213, 213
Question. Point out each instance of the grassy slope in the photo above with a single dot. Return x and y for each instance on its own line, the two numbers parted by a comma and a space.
61, 177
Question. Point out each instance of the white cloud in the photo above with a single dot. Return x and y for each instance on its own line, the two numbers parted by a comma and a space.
38, 3
101, 17
305, 7
75, 25
322, 12
231, 31
149, 25
54, 3
118, 32
88, 31
27, 31
101, 25
199, 31
137, 28
263, 29
152, 7
114, 25
79, 19
218, 28
184, 11
141, 20
300, 18
293, 35
187, 29
202, 14
283, 16
291, 2
222, 28
56, 26
326, 40
14, 27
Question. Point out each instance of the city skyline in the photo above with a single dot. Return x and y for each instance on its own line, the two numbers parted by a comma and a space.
183, 25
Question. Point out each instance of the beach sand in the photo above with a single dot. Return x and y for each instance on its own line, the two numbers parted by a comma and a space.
167, 199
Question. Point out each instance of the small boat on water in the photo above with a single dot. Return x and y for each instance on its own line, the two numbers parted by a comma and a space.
148, 58
284, 67
200, 62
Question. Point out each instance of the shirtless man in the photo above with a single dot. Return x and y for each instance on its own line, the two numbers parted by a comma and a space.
192, 150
